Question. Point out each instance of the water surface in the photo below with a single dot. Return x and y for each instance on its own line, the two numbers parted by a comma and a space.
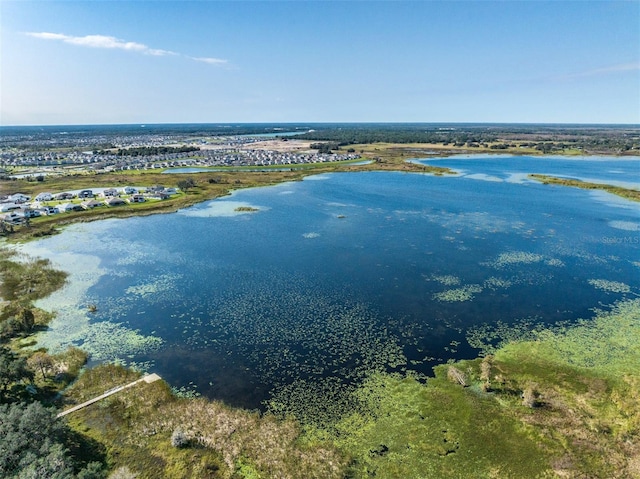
342, 274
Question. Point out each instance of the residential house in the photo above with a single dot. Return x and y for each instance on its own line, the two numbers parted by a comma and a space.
92, 203
64, 196
158, 195
44, 197
19, 198
85, 194
67, 207
115, 202
50, 210
110, 193
31, 213
4, 207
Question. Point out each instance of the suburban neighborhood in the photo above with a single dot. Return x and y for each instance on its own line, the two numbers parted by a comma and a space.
19, 208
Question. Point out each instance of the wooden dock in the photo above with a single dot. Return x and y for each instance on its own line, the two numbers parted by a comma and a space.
149, 378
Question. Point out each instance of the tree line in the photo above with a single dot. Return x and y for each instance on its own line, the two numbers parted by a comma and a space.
148, 150
545, 138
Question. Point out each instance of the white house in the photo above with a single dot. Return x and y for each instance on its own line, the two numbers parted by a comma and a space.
89, 204
110, 193
66, 207
44, 197
19, 198
4, 207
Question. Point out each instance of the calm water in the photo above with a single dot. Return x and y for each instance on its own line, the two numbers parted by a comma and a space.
342, 274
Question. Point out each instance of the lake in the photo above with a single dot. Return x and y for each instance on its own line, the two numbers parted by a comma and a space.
343, 274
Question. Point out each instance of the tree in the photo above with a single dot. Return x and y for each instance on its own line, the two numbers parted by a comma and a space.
42, 362
33, 445
30, 432
184, 185
12, 370
27, 318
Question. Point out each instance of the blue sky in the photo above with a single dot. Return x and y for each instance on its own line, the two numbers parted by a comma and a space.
123, 61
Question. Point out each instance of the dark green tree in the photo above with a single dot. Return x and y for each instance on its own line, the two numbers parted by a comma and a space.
12, 370
33, 445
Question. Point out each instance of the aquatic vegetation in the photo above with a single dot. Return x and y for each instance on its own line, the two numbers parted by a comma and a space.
220, 208
608, 343
466, 293
610, 286
495, 283
158, 285
554, 262
106, 341
516, 258
439, 430
489, 337
406, 428
447, 279
302, 336
186, 392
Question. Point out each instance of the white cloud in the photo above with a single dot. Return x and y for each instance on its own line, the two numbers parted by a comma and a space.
211, 61
612, 69
108, 42
101, 41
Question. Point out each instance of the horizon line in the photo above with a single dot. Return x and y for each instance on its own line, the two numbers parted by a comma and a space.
143, 124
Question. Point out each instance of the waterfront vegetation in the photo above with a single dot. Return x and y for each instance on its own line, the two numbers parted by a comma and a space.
549, 402
628, 193
540, 401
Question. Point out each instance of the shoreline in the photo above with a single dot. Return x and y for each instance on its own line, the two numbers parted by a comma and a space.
226, 181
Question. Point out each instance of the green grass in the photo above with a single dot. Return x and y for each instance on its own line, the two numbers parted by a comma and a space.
136, 425
587, 422
628, 193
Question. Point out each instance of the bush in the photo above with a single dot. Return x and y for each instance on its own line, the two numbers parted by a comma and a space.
179, 438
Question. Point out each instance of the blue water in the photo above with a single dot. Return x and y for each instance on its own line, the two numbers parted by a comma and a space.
624, 172
346, 273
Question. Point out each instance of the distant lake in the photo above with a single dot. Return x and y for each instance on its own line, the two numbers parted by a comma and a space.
345, 273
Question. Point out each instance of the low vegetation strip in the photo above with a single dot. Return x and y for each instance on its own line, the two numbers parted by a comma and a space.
628, 193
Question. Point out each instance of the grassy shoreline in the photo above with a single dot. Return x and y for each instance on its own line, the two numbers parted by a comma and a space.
627, 193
